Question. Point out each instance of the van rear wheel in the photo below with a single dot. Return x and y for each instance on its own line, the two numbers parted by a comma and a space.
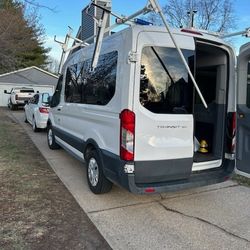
97, 182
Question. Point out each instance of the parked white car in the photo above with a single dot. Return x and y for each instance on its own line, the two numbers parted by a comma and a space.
37, 111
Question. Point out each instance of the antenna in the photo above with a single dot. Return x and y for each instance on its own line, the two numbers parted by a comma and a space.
191, 14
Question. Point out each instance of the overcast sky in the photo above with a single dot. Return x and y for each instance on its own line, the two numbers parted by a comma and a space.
68, 13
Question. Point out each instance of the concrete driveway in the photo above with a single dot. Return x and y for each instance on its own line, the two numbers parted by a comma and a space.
214, 217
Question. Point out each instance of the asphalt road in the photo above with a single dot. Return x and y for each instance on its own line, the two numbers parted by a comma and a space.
213, 217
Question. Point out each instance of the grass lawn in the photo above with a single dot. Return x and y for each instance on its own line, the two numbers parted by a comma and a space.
36, 210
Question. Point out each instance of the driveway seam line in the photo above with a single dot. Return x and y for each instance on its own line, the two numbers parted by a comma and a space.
130, 205
201, 192
204, 221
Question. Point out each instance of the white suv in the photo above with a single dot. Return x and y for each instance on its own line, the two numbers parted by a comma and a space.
134, 119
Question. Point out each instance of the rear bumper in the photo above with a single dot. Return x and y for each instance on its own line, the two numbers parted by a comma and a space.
42, 120
114, 170
42, 125
203, 178
20, 103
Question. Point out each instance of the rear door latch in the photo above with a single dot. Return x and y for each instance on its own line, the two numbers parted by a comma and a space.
133, 57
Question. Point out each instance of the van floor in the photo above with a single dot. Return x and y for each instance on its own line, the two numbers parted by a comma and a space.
201, 157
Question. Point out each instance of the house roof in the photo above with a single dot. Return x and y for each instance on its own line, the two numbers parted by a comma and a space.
30, 75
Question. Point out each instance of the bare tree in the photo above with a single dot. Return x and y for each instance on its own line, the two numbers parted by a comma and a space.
213, 15
38, 5
52, 65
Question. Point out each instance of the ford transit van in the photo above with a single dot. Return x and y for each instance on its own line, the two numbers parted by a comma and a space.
137, 120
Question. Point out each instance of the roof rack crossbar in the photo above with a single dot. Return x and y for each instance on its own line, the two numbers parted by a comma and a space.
245, 33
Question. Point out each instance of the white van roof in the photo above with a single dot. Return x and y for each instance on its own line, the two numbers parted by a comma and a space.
128, 35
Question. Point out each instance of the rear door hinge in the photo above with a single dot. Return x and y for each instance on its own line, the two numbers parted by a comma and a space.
133, 57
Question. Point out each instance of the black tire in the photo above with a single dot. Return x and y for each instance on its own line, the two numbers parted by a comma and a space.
51, 138
12, 106
34, 127
101, 184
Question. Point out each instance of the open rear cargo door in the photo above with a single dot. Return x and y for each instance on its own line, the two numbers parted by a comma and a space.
243, 109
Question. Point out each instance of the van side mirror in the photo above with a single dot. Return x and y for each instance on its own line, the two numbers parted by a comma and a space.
5, 92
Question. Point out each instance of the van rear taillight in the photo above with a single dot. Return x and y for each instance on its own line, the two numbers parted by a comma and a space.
231, 132
127, 135
44, 110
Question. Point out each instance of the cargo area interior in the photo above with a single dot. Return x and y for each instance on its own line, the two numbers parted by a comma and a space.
211, 76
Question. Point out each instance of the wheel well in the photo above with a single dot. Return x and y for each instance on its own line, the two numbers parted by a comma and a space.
88, 148
48, 123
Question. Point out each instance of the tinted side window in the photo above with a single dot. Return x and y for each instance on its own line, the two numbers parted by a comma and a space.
36, 99
32, 100
56, 97
248, 85
165, 87
74, 83
97, 87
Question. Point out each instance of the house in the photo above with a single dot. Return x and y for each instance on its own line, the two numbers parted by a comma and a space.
33, 77
89, 26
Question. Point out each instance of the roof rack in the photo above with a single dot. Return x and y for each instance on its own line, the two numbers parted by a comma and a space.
151, 6
245, 33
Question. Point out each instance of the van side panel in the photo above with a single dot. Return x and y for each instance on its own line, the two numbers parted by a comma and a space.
100, 123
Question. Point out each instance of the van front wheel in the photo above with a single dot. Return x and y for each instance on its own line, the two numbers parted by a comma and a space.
97, 182
51, 139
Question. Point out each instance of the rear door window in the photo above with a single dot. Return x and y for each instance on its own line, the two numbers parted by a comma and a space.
165, 86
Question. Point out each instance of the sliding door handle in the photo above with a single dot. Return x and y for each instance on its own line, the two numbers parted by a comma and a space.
59, 108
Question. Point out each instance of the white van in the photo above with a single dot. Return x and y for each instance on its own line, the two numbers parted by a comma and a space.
137, 119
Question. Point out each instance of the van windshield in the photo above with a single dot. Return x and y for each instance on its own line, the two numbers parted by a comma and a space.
165, 86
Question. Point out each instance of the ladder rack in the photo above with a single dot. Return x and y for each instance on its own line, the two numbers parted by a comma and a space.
245, 33
151, 6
